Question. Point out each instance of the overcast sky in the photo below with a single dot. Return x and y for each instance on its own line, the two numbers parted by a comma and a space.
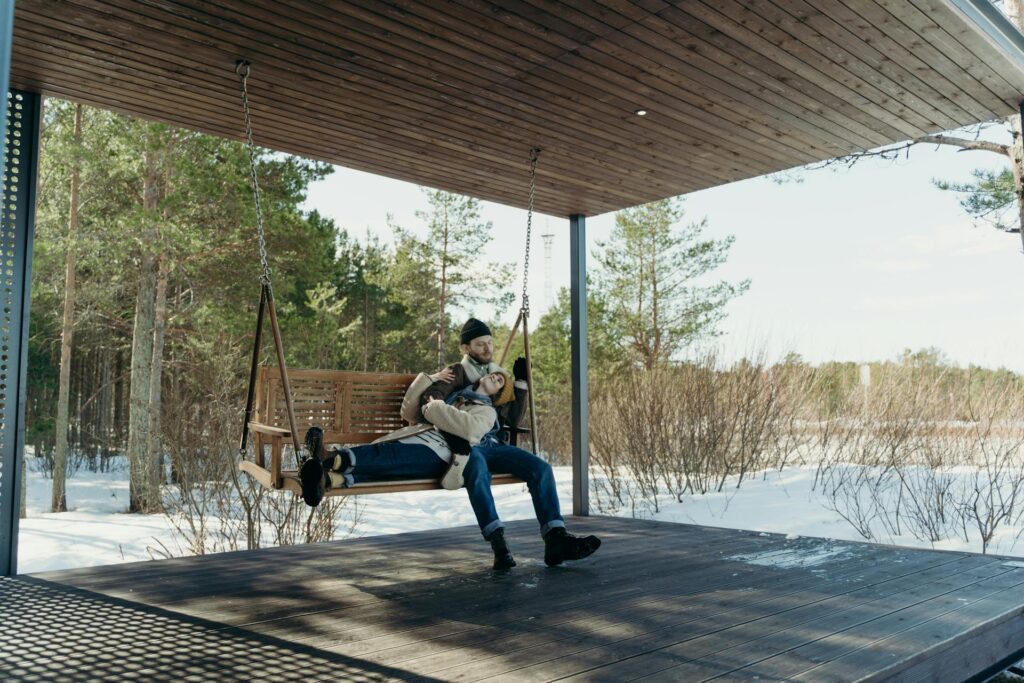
853, 265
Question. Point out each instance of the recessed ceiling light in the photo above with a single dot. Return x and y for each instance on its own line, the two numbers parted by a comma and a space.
641, 112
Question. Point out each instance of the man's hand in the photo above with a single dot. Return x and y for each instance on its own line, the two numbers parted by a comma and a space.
445, 375
519, 368
433, 399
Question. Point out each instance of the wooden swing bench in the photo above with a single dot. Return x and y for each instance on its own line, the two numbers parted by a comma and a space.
351, 407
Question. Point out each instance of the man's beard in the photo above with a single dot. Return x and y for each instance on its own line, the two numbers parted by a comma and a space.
480, 359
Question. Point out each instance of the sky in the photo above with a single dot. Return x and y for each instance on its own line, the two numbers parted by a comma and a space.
852, 265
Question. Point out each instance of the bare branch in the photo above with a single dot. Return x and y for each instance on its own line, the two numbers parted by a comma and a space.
978, 145
894, 152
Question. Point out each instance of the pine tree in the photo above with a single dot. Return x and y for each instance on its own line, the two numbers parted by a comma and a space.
650, 267
456, 236
58, 502
189, 221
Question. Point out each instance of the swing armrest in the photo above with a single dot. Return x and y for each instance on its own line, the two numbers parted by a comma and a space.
277, 437
514, 433
515, 430
268, 430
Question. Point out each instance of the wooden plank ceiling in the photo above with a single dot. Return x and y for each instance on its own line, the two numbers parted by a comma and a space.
454, 94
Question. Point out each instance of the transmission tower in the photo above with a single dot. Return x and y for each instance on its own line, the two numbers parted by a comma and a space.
549, 293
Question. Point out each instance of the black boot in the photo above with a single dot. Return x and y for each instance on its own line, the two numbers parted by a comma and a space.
315, 443
560, 545
502, 555
311, 478
312, 475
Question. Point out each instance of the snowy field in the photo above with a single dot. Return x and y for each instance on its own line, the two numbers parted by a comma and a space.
96, 531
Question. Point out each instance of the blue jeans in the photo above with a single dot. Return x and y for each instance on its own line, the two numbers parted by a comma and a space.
396, 461
494, 458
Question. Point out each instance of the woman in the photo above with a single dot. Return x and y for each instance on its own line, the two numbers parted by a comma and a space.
418, 451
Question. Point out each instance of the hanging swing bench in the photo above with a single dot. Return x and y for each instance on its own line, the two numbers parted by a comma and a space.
351, 407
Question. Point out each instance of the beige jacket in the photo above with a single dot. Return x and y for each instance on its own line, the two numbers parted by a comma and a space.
471, 421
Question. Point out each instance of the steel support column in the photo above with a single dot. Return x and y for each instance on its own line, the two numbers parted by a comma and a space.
580, 365
6, 31
18, 198
8, 512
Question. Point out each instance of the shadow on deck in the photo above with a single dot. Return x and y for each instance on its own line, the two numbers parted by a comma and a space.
659, 601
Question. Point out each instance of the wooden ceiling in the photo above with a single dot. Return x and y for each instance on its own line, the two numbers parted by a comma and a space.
454, 94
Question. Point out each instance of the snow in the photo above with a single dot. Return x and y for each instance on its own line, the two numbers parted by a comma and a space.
97, 531
807, 556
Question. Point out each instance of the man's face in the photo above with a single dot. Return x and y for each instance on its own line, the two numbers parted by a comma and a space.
480, 349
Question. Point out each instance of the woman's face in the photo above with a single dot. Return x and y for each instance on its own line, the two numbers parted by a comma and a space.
492, 383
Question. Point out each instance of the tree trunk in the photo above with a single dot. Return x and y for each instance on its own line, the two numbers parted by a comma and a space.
22, 512
142, 498
441, 300
1015, 10
139, 389
1017, 164
106, 407
366, 329
58, 499
155, 399
118, 408
655, 323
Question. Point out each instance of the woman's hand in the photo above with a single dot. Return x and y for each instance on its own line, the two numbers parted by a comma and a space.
445, 375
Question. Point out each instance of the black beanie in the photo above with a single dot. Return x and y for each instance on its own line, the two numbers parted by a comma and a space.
473, 329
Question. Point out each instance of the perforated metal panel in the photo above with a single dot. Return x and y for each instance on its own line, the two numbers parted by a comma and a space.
17, 211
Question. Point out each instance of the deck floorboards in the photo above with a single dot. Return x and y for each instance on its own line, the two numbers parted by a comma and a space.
660, 601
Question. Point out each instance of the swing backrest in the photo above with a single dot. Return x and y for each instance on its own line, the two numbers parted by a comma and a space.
351, 407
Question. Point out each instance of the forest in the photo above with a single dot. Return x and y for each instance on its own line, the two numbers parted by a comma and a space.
144, 295
145, 288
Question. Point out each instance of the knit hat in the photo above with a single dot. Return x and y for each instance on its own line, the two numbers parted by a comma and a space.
473, 329
507, 392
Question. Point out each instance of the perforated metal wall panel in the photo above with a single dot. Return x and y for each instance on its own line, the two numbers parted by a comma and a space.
17, 213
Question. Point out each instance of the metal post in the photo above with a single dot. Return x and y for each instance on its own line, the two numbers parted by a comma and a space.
17, 224
9, 486
6, 29
580, 364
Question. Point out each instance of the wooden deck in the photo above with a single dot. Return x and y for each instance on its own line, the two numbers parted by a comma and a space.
659, 602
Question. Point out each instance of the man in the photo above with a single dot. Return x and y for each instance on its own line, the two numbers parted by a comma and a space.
491, 456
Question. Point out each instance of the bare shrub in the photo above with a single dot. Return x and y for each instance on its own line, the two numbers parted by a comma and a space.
992, 493
794, 433
929, 452
554, 424
211, 505
704, 429
687, 429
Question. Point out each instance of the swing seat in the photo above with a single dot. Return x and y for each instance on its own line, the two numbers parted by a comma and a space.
351, 407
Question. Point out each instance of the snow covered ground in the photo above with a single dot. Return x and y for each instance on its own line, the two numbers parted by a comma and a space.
96, 531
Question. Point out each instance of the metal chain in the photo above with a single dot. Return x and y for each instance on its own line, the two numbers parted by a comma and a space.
534, 154
242, 69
